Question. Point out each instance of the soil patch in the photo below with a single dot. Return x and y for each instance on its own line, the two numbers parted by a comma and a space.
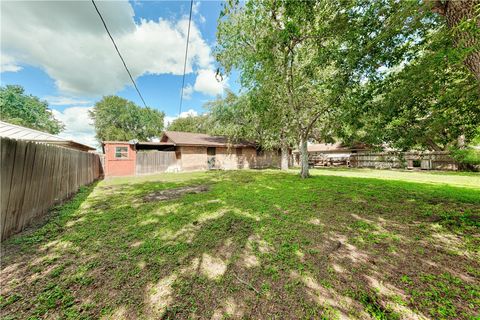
174, 193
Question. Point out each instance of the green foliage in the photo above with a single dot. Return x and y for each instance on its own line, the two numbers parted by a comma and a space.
27, 110
116, 118
374, 308
467, 156
248, 116
412, 89
425, 104
288, 54
196, 124
379, 72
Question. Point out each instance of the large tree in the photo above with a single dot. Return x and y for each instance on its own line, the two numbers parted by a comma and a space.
385, 71
116, 118
196, 124
288, 50
17, 107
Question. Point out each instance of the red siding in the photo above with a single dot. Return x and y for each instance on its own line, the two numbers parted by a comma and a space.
119, 166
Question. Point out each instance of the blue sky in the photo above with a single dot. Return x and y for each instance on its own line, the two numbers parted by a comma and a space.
62, 54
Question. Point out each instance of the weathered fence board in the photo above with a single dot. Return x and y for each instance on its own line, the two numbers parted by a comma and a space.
36, 176
154, 161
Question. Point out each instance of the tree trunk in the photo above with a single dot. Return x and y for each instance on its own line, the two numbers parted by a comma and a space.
285, 156
456, 11
304, 173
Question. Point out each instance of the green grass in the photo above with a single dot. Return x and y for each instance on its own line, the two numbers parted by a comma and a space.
258, 244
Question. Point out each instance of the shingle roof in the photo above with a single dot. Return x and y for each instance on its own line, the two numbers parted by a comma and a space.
200, 139
13, 131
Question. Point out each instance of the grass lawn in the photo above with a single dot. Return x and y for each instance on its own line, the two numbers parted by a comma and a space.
253, 244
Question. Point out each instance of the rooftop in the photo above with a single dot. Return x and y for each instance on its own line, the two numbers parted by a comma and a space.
17, 132
200, 139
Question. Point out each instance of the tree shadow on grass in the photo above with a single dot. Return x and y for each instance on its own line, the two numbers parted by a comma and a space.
256, 245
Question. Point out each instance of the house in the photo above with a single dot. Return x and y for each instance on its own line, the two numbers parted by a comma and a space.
184, 151
329, 154
12, 131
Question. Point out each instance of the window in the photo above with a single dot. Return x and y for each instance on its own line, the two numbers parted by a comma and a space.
417, 163
121, 152
239, 151
211, 151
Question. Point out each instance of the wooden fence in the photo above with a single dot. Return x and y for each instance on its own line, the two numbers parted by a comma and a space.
428, 160
378, 160
154, 161
36, 176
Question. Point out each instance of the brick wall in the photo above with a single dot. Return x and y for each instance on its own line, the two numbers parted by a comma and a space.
192, 158
119, 166
196, 158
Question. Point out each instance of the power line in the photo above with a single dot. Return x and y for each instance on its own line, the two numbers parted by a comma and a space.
186, 54
116, 48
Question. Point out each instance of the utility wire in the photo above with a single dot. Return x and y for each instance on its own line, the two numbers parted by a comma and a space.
116, 48
186, 54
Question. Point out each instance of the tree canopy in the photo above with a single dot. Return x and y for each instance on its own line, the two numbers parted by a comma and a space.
384, 72
196, 124
115, 118
19, 108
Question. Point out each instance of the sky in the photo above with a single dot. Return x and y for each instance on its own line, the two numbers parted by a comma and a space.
61, 53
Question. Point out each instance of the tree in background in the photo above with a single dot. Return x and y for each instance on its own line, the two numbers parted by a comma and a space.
196, 124
116, 118
251, 117
27, 110
288, 51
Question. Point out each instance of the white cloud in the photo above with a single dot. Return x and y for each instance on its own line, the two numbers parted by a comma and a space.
65, 101
78, 125
207, 83
169, 119
196, 7
187, 92
68, 41
8, 64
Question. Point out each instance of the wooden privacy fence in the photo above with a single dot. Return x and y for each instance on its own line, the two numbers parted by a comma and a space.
433, 160
36, 176
154, 161
377, 160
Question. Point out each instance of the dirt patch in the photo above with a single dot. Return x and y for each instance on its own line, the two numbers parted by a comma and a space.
174, 193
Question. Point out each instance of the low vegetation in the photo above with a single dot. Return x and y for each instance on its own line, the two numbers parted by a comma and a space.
251, 244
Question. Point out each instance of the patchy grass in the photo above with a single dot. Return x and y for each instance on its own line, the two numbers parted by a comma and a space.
253, 244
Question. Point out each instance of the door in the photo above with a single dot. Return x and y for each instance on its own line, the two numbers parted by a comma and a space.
211, 152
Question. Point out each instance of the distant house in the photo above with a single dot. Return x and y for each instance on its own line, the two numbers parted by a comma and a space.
183, 151
12, 131
329, 154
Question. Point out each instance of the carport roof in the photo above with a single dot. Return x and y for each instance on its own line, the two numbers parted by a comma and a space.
13, 131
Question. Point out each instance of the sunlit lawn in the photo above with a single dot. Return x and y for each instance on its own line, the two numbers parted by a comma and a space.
254, 244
